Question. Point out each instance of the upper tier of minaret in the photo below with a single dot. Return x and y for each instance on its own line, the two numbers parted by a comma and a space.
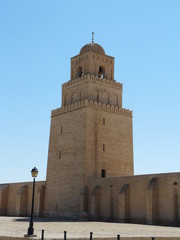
92, 60
92, 78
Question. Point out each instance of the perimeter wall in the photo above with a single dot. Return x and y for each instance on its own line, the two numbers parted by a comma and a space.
148, 199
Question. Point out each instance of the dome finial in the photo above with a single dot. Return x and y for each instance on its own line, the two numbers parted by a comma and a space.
92, 37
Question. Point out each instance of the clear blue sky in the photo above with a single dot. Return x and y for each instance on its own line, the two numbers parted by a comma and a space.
37, 40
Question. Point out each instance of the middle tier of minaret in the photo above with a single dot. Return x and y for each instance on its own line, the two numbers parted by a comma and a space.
93, 88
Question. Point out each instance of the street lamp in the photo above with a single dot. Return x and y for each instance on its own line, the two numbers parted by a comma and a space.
34, 173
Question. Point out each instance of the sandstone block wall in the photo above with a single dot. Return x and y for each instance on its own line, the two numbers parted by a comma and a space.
86, 138
65, 170
151, 199
109, 143
16, 199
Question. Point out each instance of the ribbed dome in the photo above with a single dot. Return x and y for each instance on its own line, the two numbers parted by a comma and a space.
94, 47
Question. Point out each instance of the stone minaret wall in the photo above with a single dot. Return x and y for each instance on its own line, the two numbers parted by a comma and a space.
90, 136
93, 88
90, 63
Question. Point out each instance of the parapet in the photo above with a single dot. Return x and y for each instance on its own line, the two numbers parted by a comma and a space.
92, 104
94, 79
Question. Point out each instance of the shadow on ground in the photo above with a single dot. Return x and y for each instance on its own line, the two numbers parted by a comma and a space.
43, 219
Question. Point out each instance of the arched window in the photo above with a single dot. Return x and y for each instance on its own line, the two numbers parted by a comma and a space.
101, 72
79, 72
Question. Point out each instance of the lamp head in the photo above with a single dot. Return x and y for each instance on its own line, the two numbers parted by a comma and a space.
34, 172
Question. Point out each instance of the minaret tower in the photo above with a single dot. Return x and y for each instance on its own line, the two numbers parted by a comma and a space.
91, 134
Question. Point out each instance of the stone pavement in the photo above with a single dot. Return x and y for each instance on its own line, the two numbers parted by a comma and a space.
54, 228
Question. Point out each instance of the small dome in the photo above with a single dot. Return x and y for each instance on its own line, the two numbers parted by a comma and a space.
94, 47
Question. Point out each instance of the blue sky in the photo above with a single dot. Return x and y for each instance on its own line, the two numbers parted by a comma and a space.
37, 40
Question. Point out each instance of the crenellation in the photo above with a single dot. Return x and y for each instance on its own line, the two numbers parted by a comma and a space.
91, 103
94, 79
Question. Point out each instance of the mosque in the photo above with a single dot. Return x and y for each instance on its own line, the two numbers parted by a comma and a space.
90, 169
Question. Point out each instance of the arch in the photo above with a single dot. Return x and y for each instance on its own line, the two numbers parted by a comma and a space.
116, 109
111, 217
4, 200
112, 108
65, 99
152, 202
91, 103
72, 71
79, 71
83, 94
104, 97
42, 197
85, 68
176, 208
113, 100
101, 71
95, 95
124, 203
96, 203
95, 69
23, 201
68, 99
75, 97
85, 202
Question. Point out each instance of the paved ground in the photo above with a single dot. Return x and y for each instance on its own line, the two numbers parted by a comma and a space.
54, 228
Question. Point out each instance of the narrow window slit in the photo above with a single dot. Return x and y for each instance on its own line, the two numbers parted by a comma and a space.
103, 173
103, 147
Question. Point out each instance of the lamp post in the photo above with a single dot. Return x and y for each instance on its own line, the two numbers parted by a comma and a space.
34, 173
